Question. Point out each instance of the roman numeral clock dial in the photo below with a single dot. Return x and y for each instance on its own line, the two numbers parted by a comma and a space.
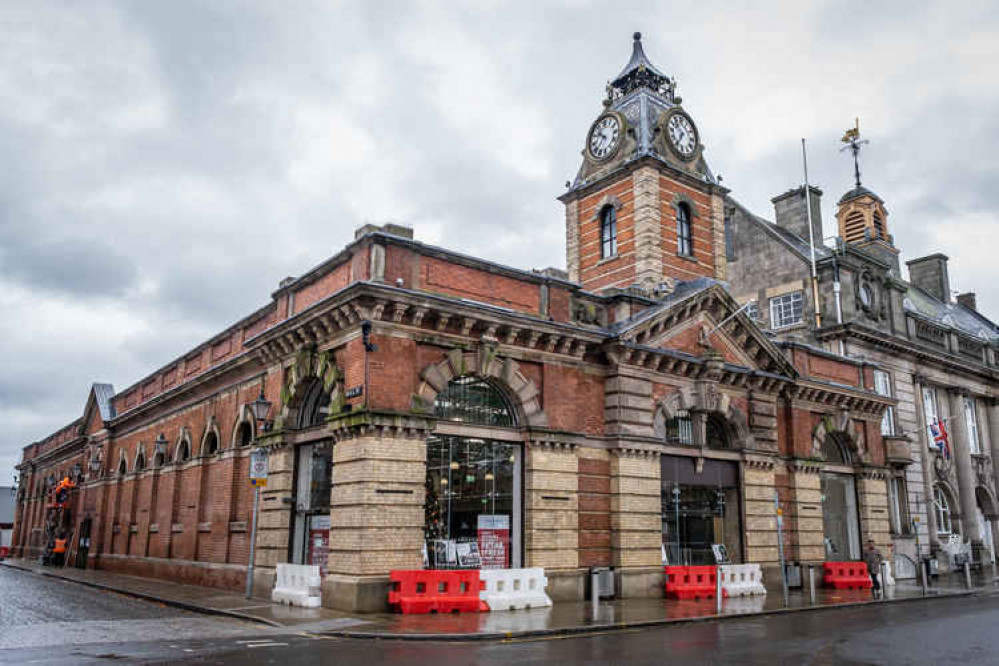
681, 134
605, 135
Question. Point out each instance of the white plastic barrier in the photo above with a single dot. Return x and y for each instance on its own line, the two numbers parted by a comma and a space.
514, 589
298, 585
741, 580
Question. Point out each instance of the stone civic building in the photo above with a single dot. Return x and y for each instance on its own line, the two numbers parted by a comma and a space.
937, 356
434, 409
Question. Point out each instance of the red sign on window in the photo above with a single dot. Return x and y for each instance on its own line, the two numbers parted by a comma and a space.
494, 541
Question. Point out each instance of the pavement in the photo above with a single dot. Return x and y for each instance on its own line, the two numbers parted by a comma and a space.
564, 618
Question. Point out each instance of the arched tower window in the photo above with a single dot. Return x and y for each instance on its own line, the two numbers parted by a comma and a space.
140, 462
184, 452
474, 401
879, 227
122, 467
684, 237
608, 232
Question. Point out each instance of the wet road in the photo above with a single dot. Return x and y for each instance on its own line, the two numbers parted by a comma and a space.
43, 621
39, 612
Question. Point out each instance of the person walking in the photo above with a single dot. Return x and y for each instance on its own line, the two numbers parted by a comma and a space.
873, 560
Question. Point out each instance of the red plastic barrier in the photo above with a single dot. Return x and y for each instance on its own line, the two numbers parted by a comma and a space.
691, 582
4, 552
429, 591
846, 576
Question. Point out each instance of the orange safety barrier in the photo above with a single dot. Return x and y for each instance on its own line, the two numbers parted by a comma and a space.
691, 582
846, 576
429, 591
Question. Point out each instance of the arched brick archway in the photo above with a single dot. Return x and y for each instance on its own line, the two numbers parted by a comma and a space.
713, 403
484, 363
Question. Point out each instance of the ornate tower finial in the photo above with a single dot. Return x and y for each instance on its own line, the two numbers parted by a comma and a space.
853, 143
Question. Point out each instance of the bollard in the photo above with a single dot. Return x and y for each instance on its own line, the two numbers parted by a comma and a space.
718, 591
595, 592
811, 582
967, 575
922, 573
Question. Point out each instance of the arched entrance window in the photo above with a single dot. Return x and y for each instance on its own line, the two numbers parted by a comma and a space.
680, 429
835, 449
716, 432
314, 405
472, 505
983, 512
474, 401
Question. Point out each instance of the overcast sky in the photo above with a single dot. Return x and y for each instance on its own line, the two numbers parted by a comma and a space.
165, 164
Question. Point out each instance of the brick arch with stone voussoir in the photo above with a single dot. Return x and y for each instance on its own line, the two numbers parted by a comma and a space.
484, 363
308, 367
711, 402
839, 430
244, 418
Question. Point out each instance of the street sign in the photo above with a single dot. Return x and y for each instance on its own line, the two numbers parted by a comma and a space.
258, 468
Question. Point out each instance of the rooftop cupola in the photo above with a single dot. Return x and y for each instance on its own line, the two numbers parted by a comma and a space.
861, 214
640, 73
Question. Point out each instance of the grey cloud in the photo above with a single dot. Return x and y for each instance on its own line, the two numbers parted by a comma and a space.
174, 161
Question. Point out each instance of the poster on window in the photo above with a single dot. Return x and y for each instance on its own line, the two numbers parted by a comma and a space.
494, 541
468, 555
319, 541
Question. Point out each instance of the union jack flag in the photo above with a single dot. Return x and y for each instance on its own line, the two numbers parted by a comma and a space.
938, 431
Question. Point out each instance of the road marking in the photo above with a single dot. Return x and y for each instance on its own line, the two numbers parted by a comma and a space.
267, 645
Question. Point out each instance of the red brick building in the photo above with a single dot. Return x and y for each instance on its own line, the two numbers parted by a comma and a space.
434, 409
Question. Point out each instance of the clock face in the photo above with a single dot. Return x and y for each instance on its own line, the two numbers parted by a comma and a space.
866, 296
682, 134
604, 136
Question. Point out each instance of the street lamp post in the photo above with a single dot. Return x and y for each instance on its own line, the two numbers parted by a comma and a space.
261, 407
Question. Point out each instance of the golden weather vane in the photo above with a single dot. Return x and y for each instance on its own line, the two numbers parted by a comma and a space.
851, 138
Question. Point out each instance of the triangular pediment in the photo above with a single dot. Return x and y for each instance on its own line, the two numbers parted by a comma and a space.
707, 321
98, 410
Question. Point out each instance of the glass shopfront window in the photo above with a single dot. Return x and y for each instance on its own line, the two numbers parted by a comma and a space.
473, 503
700, 510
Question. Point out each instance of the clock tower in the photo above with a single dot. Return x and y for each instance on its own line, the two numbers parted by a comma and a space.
644, 210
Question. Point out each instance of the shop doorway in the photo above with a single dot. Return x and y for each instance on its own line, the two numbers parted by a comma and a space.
311, 524
83, 544
840, 523
701, 513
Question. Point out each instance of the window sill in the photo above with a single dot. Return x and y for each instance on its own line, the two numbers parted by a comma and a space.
790, 327
688, 257
607, 260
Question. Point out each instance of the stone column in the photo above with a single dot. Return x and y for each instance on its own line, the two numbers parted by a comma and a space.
759, 485
551, 516
636, 522
957, 427
922, 441
805, 510
377, 514
572, 240
872, 495
993, 410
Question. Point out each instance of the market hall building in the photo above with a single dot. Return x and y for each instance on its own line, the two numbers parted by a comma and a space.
431, 409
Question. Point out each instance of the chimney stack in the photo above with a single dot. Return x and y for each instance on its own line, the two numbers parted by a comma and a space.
791, 213
968, 300
929, 273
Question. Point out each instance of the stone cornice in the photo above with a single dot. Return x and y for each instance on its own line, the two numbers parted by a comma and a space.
839, 396
897, 344
380, 303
